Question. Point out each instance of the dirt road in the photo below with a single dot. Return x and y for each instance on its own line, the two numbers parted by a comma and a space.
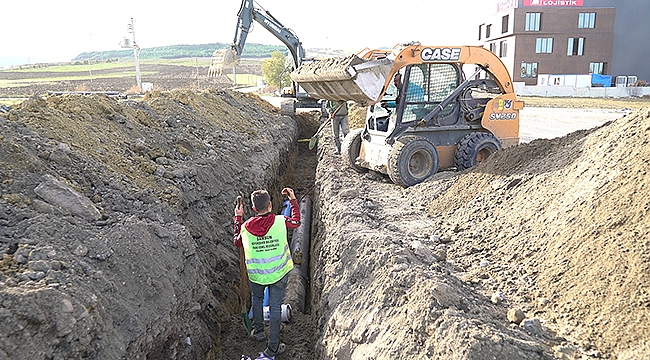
548, 123
545, 122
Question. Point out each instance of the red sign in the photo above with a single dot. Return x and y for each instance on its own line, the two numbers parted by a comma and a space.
559, 3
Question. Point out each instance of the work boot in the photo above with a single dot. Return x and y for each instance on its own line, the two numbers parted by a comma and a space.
258, 335
272, 353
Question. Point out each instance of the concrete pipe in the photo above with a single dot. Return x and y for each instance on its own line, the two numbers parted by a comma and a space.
298, 282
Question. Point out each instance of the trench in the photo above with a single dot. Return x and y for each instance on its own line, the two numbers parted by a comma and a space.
300, 174
156, 275
298, 171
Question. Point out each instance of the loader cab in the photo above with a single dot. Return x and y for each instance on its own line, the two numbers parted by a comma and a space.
380, 115
422, 89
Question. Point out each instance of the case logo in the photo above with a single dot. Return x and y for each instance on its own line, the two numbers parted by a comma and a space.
440, 54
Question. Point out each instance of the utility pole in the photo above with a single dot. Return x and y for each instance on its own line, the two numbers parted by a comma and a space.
197, 73
90, 72
136, 54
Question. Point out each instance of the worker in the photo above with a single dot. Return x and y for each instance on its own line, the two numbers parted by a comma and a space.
397, 81
414, 93
391, 104
338, 111
268, 261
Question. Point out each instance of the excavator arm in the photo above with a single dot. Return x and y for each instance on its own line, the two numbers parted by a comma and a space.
226, 58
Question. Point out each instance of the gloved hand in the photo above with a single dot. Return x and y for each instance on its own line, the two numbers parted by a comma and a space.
239, 207
288, 192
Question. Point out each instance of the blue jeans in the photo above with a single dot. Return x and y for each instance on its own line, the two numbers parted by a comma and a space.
276, 296
340, 124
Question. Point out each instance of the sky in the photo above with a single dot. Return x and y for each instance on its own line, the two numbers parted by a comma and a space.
51, 31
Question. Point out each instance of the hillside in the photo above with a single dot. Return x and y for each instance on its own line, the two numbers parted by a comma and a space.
251, 50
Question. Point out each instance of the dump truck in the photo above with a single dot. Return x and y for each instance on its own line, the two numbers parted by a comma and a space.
227, 58
429, 107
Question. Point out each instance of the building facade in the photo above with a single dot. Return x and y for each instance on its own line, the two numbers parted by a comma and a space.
568, 37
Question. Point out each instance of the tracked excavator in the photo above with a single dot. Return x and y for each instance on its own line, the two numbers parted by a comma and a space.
227, 58
429, 107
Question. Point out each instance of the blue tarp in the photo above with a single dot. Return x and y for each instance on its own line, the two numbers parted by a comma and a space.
606, 80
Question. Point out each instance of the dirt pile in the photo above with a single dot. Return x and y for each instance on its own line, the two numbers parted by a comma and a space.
332, 68
115, 219
383, 289
563, 226
554, 229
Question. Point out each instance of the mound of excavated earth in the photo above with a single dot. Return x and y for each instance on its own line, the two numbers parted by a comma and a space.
329, 68
331, 64
116, 221
539, 253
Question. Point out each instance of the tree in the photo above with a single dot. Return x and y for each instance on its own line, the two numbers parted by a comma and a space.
273, 70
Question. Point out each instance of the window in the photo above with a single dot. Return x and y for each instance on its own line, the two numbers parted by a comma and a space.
480, 31
576, 47
503, 49
528, 70
598, 68
533, 21
504, 24
488, 30
493, 47
544, 46
587, 21
428, 85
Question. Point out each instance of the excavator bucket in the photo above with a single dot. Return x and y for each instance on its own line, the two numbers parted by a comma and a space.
222, 59
349, 78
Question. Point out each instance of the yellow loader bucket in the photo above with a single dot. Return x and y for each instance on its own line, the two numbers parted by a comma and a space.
222, 59
350, 78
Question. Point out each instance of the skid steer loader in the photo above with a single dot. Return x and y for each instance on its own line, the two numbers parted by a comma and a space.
424, 112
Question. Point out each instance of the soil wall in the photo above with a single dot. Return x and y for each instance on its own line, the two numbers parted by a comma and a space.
116, 221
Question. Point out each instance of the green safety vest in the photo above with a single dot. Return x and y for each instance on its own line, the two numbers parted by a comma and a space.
268, 257
332, 105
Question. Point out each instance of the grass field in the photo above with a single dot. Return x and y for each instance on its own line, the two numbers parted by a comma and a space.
74, 68
109, 70
122, 64
68, 77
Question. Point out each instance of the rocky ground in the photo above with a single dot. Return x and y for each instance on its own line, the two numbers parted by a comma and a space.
115, 238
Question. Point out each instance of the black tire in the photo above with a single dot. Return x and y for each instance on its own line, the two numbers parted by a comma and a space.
412, 160
475, 148
288, 108
350, 150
